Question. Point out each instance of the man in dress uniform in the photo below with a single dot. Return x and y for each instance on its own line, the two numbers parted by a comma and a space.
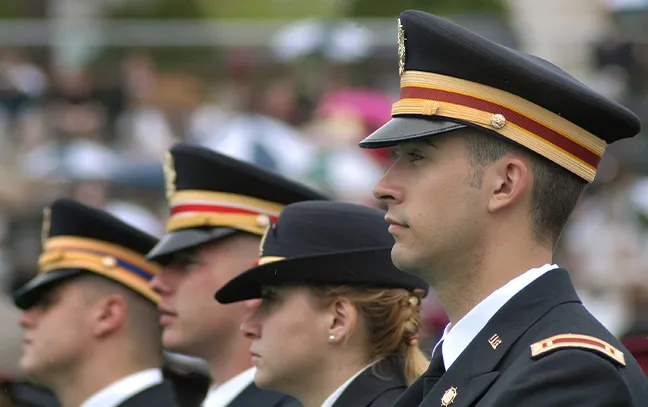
494, 150
219, 211
91, 332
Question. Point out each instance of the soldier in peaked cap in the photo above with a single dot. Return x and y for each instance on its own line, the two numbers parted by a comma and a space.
494, 150
338, 323
91, 332
219, 210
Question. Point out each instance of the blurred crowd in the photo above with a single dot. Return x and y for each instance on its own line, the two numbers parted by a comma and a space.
99, 136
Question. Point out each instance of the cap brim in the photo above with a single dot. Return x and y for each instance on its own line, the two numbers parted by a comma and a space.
329, 269
399, 129
30, 293
184, 239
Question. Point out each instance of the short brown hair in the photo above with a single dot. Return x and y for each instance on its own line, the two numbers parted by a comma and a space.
555, 190
393, 319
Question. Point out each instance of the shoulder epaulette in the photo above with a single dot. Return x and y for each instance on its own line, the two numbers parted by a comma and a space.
565, 341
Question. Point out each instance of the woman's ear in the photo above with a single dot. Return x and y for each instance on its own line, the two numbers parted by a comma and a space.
343, 321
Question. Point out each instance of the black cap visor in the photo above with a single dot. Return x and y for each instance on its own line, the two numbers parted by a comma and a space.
399, 129
360, 268
30, 293
184, 239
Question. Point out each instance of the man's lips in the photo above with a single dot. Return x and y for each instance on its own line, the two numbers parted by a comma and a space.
166, 316
392, 222
254, 357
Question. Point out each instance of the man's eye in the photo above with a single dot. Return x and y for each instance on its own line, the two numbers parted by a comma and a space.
414, 156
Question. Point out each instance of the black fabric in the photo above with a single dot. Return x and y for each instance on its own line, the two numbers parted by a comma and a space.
324, 242
198, 168
33, 290
434, 44
160, 395
25, 394
186, 239
71, 218
435, 370
254, 396
378, 386
509, 376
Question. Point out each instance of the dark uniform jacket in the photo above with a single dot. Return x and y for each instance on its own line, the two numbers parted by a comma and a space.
379, 386
518, 360
254, 396
160, 395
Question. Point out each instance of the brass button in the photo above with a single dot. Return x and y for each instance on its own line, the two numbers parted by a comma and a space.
498, 121
109, 261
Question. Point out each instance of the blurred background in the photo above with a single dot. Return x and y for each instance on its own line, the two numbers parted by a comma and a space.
93, 92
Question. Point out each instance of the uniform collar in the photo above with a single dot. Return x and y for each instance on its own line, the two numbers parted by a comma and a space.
123, 389
330, 401
222, 395
457, 337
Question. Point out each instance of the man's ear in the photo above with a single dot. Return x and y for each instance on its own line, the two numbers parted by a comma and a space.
108, 314
509, 179
343, 319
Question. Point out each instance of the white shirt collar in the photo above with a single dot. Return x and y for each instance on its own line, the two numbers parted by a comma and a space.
337, 393
457, 337
123, 389
221, 396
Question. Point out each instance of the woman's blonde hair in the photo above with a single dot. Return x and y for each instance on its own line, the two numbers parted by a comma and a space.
392, 318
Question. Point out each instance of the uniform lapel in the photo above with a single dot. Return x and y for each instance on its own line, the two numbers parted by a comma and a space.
372, 383
475, 370
159, 395
414, 394
254, 396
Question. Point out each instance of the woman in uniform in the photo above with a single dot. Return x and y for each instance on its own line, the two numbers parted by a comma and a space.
338, 323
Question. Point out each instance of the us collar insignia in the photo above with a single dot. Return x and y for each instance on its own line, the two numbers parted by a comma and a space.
169, 175
47, 223
401, 49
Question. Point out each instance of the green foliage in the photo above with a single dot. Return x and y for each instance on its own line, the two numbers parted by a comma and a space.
390, 8
157, 10
264, 9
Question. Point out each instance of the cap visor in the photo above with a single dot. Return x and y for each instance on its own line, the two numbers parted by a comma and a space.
333, 269
400, 129
30, 293
184, 239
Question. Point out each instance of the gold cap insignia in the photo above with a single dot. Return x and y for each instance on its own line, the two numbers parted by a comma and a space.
169, 175
47, 223
401, 49
269, 226
449, 396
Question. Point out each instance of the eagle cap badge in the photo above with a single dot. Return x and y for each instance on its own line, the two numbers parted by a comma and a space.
169, 175
401, 48
47, 223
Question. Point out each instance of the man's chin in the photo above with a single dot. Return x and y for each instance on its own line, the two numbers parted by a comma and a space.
401, 259
173, 342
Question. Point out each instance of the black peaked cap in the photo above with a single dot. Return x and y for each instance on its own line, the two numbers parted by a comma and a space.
69, 218
196, 168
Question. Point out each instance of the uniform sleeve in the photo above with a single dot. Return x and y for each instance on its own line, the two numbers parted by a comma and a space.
571, 377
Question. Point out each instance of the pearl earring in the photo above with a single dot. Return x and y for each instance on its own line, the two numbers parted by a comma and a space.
332, 338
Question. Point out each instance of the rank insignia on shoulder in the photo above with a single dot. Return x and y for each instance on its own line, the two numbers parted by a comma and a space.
566, 341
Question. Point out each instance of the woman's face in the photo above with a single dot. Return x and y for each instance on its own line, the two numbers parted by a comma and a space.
289, 334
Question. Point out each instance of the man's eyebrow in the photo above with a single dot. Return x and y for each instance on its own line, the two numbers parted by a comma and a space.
428, 141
